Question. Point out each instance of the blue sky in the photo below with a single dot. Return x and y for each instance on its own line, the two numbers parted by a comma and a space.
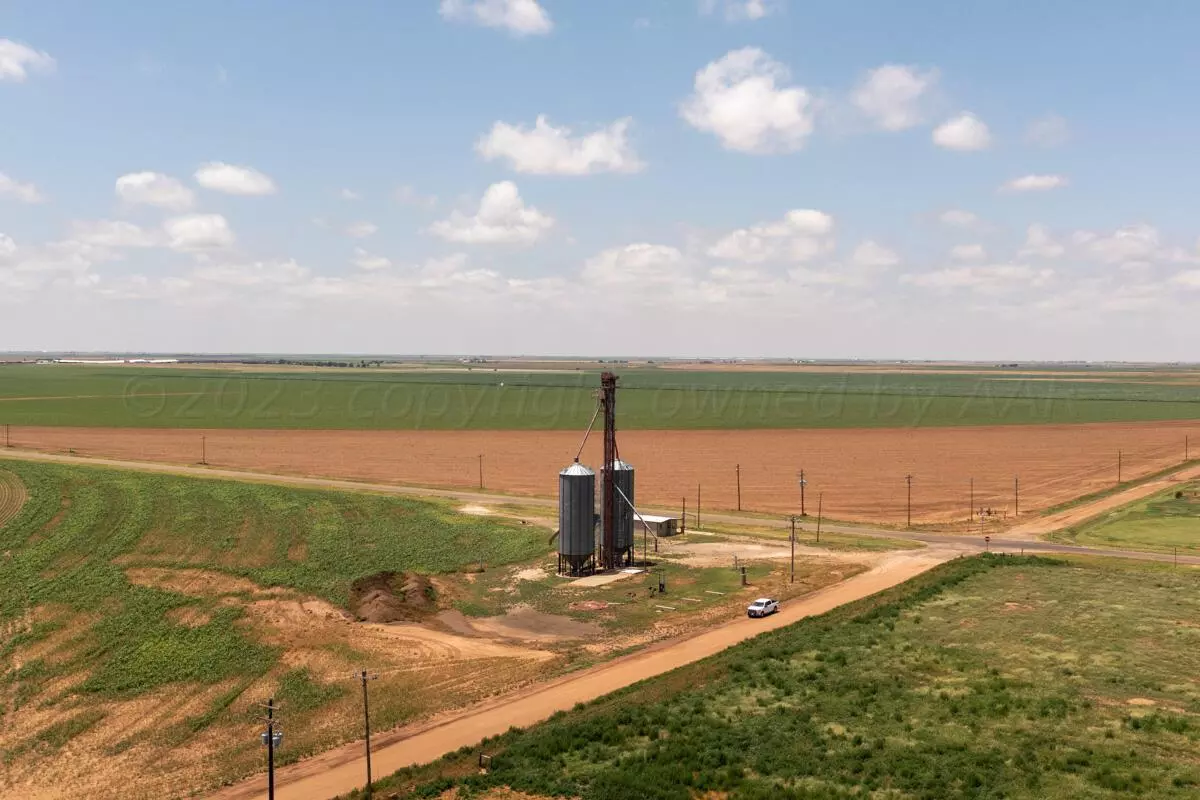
308, 176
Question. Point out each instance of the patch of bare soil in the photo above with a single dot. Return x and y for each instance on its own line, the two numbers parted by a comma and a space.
524, 623
392, 597
589, 605
475, 511
193, 582
531, 574
189, 616
457, 622
719, 554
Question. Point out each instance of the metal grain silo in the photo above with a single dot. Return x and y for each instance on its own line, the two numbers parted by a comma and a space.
576, 518
623, 519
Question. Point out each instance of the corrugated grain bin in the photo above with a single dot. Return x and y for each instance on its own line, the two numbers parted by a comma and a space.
623, 518
576, 516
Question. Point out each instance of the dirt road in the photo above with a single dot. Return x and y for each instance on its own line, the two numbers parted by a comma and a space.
341, 770
1085, 511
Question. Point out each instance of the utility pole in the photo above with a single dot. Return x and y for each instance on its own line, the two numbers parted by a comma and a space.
697, 506
908, 515
203, 450
367, 726
820, 497
683, 518
8, 440
271, 739
971, 515
1185, 445
481, 471
792, 578
738, 469
1016, 495
1118, 466
803, 483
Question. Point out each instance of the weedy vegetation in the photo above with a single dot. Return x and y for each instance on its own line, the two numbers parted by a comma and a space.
989, 677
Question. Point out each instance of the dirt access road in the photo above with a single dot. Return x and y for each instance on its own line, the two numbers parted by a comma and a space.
1085, 511
343, 769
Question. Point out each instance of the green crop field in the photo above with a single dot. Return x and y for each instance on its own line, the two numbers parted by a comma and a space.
989, 677
80, 638
651, 398
1165, 522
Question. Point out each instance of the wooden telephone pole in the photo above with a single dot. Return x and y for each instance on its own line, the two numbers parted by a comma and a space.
792, 578
738, 470
908, 514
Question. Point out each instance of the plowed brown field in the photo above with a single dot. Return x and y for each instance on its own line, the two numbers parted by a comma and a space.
860, 472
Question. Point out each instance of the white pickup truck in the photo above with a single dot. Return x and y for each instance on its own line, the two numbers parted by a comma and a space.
762, 607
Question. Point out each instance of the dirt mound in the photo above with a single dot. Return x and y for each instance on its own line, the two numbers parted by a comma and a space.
392, 597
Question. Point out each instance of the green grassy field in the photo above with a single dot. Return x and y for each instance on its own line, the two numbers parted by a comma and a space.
73, 618
989, 677
650, 399
1162, 522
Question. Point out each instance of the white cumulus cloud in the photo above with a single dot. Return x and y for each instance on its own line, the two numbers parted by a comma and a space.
548, 150
1130, 245
989, 279
964, 132
968, 252
114, 234
892, 96
502, 218
369, 261
642, 265
198, 232
234, 179
18, 60
741, 10
154, 189
22, 192
802, 234
744, 100
873, 254
520, 17
349, 194
1035, 183
1040, 243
